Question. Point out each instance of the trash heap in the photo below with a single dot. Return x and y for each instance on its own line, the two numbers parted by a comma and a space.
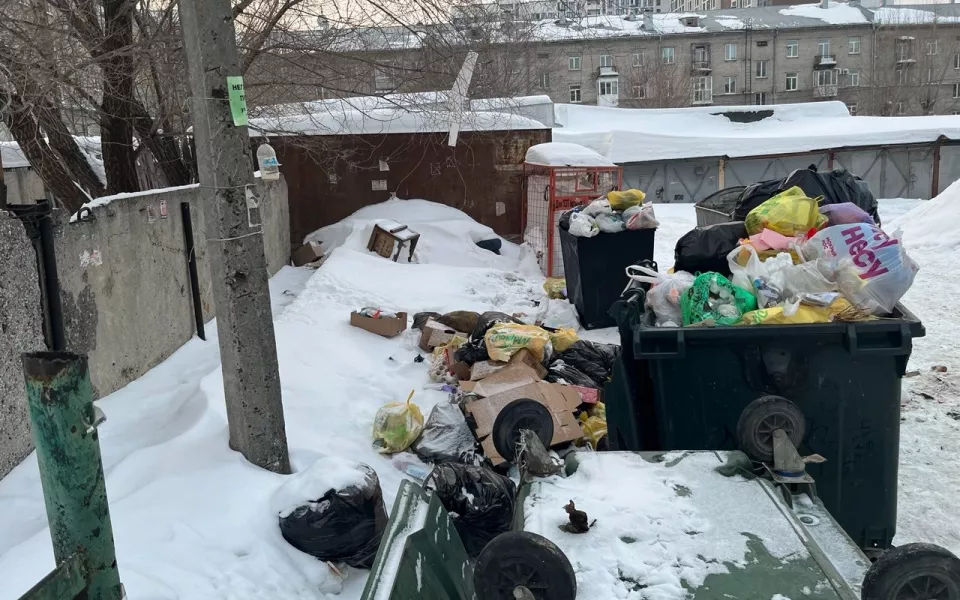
619, 211
792, 259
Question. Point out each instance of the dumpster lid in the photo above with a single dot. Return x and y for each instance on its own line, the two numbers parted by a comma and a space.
670, 524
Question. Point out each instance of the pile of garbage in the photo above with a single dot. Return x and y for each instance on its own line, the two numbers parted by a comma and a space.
792, 259
619, 211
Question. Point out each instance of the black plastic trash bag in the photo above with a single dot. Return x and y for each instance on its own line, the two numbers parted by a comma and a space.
705, 249
446, 437
342, 525
471, 352
592, 359
483, 501
755, 195
420, 319
463, 321
561, 372
493, 245
836, 187
488, 320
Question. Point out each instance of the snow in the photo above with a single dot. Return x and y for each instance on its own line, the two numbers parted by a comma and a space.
386, 120
626, 135
11, 157
729, 22
900, 15
107, 200
559, 154
193, 520
836, 13
325, 474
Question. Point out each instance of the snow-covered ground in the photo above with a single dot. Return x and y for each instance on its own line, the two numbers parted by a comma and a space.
192, 520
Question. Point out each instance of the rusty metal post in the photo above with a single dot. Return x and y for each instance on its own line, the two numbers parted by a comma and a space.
60, 400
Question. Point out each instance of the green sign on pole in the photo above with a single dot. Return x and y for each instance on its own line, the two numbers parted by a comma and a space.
238, 100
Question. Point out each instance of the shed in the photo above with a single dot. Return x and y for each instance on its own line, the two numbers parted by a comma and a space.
559, 176
23, 185
338, 161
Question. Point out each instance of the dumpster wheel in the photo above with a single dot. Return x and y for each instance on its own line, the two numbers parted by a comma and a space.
913, 572
520, 564
761, 418
521, 414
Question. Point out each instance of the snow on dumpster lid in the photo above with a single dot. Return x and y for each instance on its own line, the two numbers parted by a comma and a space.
562, 154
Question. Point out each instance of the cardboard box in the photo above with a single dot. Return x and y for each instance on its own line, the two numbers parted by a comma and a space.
461, 370
306, 254
437, 334
385, 326
560, 400
507, 378
486, 368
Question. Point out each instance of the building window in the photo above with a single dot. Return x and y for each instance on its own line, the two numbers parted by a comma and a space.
730, 52
853, 45
933, 47
826, 77
730, 84
852, 109
904, 50
382, 80
791, 82
701, 56
609, 87
903, 77
640, 92
929, 75
702, 90
543, 81
606, 60
900, 108
956, 60
667, 55
956, 90
824, 47
638, 59
575, 94
761, 69
760, 98
793, 48
853, 78
573, 62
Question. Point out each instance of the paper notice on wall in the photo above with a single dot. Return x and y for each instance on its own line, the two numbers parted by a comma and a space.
238, 100
378, 185
91, 259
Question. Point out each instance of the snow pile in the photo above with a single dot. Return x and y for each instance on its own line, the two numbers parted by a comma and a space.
559, 154
447, 236
837, 13
327, 473
935, 224
657, 527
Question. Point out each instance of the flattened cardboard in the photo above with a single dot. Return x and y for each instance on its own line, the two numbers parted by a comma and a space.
526, 357
386, 326
461, 370
437, 334
485, 368
507, 378
306, 253
560, 401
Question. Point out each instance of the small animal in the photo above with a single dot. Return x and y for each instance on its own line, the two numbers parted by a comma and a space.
579, 522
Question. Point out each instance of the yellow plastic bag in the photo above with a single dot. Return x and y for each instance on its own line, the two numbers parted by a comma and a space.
563, 339
594, 424
625, 199
789, 213
397, 426
506, 339
555, 287
805, 314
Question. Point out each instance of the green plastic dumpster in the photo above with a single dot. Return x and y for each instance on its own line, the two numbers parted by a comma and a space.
835, 385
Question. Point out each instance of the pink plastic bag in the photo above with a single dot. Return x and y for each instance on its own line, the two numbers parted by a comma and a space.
845, 213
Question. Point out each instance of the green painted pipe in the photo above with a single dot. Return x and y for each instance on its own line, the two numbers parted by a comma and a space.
60, 400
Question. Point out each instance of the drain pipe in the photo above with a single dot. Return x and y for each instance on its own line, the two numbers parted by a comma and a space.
37, 220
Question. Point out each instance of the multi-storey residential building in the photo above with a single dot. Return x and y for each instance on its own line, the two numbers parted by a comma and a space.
882, 61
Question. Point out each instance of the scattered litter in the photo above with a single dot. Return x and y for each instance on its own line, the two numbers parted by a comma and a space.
379, 321
555, 287
306, 254
396, 426
446, 437
506, 339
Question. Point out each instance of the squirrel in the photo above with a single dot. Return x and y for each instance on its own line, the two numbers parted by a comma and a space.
579, 522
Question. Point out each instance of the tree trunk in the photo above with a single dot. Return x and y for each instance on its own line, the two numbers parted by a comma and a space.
45, 161
66, 146
164, 148
116, 135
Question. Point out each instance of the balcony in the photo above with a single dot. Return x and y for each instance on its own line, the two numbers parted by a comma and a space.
700, 66
825, 91
608, 72
904, 58
825, 61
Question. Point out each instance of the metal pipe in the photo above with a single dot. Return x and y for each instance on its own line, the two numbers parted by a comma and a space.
935, 183
60, 401
51, 281
191, 250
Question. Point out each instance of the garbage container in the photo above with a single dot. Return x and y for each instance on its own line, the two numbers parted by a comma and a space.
718, 206
595, 269
688, 388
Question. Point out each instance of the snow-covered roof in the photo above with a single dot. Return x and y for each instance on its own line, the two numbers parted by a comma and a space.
565, 154
384, 121
11, 156
638, 135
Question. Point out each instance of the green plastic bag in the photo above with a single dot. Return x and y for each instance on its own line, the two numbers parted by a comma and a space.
713, 297
396, 426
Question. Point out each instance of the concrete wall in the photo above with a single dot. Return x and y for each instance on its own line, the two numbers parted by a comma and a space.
124, 279
21, 330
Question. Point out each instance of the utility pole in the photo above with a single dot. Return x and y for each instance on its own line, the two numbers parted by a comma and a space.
248, 350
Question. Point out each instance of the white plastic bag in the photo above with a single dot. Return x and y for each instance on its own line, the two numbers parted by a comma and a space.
664, 297
559, 314
582, 225
766, 280
610, 222
640, 217
598, 207
871, 269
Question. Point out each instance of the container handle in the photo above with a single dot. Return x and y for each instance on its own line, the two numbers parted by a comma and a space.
903, 344
679, 349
